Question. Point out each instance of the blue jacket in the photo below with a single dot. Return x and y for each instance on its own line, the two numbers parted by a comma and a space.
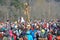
29, 36
33, 33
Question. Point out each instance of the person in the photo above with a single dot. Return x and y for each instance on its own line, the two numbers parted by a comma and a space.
5, 38
33, 32
11, 34
1, 36
58, 35
50, 36
29, 36
14, 36
22, 20
42, 34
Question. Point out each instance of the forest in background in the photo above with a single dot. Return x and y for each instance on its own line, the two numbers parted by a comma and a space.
13, 9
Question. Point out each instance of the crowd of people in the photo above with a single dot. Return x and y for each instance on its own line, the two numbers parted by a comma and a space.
33, 30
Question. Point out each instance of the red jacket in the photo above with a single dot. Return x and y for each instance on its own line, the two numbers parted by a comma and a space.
50, 37
15, 36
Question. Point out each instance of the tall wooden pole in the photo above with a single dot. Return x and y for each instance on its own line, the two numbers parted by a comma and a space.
26, 12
